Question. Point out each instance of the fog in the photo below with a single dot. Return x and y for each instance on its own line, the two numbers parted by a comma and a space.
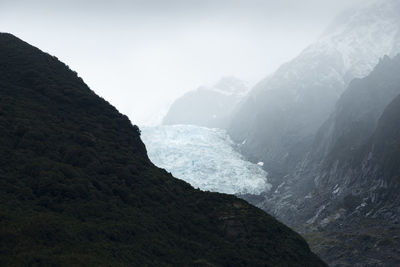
141, 55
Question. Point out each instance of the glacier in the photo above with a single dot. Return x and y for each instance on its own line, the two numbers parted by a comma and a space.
206, 158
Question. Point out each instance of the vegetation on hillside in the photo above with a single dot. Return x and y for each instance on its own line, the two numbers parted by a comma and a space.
77, 187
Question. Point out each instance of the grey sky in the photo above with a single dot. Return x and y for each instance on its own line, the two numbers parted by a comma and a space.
140, 55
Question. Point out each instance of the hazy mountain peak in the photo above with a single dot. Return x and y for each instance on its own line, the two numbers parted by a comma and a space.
349, 48
283, 112
227, 85
231, 85
361, 36
209, 106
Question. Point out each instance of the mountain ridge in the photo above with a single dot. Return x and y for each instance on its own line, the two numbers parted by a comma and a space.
77, 187
282, 113
348, 183
210, 107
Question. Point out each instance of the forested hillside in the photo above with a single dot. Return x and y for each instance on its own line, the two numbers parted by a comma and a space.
77, 187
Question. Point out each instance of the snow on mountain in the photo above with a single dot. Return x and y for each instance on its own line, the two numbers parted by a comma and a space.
349, 48
363, 36
230, 85
283, 112
205, 158
208, 106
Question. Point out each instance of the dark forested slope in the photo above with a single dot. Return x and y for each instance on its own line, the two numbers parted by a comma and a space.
77, 187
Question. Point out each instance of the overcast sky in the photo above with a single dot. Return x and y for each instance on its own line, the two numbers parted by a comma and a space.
140, 55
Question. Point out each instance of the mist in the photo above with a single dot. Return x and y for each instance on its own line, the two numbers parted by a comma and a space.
247, 121
142, 55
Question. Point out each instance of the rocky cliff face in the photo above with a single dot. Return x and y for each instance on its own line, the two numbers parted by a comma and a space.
348, 182
281, 115
359, 222
339, 164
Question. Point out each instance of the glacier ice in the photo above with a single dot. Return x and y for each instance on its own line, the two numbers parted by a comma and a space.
205, 158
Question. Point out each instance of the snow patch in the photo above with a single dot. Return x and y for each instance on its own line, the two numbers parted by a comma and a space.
277, 189
336, 189
313, 219
308, 196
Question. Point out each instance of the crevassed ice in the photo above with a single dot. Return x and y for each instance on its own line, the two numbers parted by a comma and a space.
205, 158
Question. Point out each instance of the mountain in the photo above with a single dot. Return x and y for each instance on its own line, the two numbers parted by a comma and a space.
278, 120
338, 157
78, 189
349, 182
206, 158
207, 106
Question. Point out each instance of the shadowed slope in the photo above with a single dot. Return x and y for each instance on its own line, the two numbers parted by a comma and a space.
77, 187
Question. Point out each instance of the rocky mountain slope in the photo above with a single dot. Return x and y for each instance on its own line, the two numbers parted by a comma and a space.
77, 187
208, 106
349, 182
337, 157
279, 118
362, 222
